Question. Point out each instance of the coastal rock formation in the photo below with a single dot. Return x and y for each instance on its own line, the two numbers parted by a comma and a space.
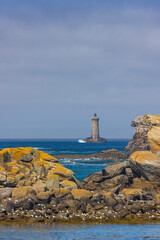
30, 167
117, 194
140, 138
109, 178
142, 164
136, 181
111, 154
148, 162
154, 140
34, 187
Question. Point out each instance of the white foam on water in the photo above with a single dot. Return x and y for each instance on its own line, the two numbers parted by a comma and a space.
42, 148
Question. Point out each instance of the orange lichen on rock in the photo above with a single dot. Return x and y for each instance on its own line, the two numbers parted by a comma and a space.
81, 194
46, 156
52, 181
68, 184
14, 170
60, 170
19, 152
145, 157
28, 166
2, 169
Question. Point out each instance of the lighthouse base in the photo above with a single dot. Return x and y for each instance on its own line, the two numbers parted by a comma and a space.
99, 140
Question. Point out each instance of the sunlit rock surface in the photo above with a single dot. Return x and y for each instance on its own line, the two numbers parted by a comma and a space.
31, 167
143, 125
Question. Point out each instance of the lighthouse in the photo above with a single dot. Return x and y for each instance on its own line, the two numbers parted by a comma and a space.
95, 138
95, 127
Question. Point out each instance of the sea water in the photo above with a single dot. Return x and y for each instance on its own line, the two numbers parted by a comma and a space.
82, 168
80, 232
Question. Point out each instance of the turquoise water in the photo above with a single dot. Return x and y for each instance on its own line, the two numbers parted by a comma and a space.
75, 232
82, 169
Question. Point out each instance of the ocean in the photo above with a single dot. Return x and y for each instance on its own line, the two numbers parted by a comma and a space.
82, 168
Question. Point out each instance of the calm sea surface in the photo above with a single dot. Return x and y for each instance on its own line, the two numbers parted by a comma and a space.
79, 232
82, 169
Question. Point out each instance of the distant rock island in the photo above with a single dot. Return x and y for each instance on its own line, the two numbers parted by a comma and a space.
111, 154
95, 138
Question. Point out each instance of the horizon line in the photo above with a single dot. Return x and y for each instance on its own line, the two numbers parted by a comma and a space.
58, 138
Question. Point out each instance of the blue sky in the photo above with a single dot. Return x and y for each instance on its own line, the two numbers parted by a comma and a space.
62, 61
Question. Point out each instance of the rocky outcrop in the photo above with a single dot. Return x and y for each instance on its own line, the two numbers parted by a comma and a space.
113, 177
138, 203
111, 154
34, 187
30, 167
140, 138
142, 164
147, 163
136, 181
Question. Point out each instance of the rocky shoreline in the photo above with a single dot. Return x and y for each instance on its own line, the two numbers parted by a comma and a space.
101, 199
35, 188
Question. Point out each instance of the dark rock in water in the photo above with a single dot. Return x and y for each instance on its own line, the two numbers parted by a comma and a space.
99, 140
74, 156
111, 154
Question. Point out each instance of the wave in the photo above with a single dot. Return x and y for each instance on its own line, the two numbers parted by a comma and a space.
85, 164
